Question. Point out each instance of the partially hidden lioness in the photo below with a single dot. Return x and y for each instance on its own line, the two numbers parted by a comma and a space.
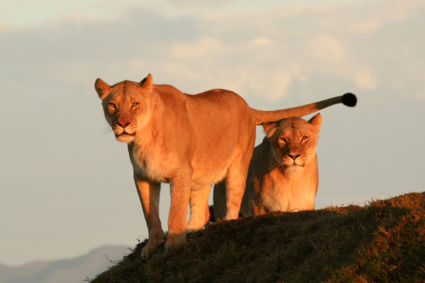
190, 141
283, 174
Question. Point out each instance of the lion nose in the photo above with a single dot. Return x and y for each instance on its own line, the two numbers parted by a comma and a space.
293, 156
123, 123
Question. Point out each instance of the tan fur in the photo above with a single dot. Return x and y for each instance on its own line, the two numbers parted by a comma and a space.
190, 141
283, 174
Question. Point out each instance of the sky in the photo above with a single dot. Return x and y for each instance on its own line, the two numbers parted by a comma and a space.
66, 185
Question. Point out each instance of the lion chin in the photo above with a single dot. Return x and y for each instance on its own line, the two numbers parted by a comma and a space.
293, 169
125, 138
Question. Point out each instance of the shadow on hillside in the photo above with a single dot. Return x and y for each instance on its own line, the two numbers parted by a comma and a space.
329, 244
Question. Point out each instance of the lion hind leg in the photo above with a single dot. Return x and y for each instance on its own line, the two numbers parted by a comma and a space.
235, 180
235, 188
199, 210
219, 198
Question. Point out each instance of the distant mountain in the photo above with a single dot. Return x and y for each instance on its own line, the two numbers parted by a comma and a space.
66, 270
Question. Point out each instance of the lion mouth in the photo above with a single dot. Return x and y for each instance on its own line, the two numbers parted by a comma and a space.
124, 134
298, 165
293, 165
125, 137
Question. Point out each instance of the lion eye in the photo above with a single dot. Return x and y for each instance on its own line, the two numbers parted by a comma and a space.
135, 105
112, 105
304, 139
283, 140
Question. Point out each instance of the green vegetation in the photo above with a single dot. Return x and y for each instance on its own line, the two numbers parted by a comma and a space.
381, 242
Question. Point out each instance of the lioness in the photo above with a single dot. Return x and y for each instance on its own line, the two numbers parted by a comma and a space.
190, 141
283, 174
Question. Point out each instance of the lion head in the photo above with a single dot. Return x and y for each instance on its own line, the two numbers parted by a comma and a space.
126, 106
293, 141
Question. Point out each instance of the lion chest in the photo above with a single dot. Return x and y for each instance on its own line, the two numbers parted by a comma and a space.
287, 193
152, 162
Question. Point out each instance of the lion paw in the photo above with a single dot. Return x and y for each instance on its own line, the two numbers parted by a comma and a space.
149, 249
175, 241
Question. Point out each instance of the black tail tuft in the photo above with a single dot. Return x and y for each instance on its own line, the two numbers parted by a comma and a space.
349, 99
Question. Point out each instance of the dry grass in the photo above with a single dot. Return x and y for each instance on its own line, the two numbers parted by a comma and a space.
381, 242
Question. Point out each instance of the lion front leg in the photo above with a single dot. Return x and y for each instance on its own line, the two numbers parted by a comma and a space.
149, 197
180, 194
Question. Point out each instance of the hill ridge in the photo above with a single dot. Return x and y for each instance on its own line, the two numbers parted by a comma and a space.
383, 241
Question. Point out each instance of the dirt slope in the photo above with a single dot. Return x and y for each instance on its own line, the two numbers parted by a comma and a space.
381, 242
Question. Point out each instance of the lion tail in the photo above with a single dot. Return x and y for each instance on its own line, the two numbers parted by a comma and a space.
261, 116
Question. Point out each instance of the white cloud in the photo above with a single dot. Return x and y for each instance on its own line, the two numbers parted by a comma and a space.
420, 96
286, 45
261, 41
205, 47
367, 26
365, 79
27, 13
400, 10
325, 48
385, 12
270, 84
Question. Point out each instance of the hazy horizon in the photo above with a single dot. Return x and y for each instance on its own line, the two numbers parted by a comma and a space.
66, 184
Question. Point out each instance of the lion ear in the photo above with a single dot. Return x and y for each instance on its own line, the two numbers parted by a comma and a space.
316, 121
270, 128
102, 88
147, 82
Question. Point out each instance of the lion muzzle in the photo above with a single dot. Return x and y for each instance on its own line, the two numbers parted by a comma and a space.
124, 132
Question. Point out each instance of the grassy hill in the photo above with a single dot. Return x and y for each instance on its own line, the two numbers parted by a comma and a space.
380, 242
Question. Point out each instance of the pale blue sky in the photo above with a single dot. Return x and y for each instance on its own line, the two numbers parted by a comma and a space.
66, 185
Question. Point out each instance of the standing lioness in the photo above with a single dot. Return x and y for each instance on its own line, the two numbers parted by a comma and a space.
190, 141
